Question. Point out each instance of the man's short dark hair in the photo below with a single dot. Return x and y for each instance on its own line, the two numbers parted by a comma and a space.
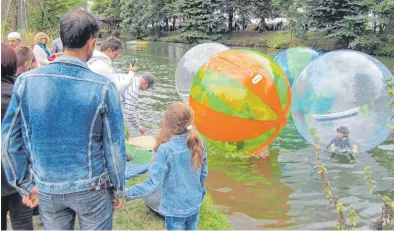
112, 43
77, 27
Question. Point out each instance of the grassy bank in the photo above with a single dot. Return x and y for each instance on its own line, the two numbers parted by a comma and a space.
280, 40
135, 215
269, 39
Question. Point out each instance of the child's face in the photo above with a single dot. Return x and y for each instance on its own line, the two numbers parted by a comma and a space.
340, 135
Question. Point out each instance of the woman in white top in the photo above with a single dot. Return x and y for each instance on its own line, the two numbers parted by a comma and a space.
40, 50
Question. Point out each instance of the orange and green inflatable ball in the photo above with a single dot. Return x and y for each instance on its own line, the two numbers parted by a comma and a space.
241, 100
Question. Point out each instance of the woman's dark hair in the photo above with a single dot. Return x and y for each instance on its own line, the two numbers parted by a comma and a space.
77, 27
8, 60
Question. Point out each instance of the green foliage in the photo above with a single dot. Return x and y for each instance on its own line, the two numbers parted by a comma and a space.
100, 6
352, 215
329, 194
48, 17
386, 219
368, 178
198, 21
365, 25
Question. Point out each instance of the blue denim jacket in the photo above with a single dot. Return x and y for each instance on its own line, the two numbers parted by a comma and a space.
183, 189
63, 131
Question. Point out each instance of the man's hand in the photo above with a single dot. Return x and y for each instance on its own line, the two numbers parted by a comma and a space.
142, 130
132, 69
31, 200
118, 203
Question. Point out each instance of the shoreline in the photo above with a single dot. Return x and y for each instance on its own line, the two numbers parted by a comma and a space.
269, 39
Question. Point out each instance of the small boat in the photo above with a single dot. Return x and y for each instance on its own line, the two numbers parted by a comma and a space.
132, 43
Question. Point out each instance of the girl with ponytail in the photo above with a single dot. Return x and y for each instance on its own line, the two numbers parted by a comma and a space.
180, 167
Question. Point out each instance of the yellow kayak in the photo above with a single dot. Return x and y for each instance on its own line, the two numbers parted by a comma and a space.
137, 43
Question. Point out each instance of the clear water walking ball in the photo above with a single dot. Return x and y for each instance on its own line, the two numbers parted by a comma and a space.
294, 60
339, 102
189, 65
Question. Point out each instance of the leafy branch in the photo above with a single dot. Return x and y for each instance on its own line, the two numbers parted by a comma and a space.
330, 194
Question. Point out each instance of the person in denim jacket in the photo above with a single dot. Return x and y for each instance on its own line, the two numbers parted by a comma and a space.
63, 138
180, 168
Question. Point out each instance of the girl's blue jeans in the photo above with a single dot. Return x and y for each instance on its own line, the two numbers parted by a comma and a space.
183, 223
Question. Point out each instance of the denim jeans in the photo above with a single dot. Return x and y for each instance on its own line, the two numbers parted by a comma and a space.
93, 209
21, 215
183, 223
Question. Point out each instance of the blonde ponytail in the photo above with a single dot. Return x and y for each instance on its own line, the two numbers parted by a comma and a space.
195, 146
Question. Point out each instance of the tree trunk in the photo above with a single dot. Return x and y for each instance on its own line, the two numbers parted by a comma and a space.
16, 14
374, 27
173, 24
42, 19
381, 28
262, 24
230, 19
167, 23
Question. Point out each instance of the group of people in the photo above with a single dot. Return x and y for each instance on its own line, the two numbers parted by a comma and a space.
63, 142
42, 56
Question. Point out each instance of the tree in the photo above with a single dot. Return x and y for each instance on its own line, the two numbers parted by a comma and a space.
198, 20
263, 9
245, 11
327, 14
135, 16
100, 6
45, 14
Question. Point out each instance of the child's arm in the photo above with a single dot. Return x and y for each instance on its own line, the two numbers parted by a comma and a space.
155, 179
204, 169
331, 142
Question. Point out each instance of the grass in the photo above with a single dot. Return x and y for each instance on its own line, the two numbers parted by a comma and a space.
136, 216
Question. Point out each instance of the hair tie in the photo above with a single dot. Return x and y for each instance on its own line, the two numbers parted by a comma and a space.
189, 127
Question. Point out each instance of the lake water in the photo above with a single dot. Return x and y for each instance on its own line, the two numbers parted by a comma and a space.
279, 192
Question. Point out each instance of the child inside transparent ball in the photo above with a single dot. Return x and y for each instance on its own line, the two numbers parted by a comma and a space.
341, 143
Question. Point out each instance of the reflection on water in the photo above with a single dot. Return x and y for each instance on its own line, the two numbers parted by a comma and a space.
346, 180
283, 190
250, 189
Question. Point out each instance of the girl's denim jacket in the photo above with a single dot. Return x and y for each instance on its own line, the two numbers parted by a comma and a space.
183, 188
63, 131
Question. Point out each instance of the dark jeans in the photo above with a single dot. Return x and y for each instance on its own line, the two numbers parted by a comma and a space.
183, 223
93, 209
21, 216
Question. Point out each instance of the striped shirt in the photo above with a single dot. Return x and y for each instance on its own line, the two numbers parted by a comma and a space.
129, 99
